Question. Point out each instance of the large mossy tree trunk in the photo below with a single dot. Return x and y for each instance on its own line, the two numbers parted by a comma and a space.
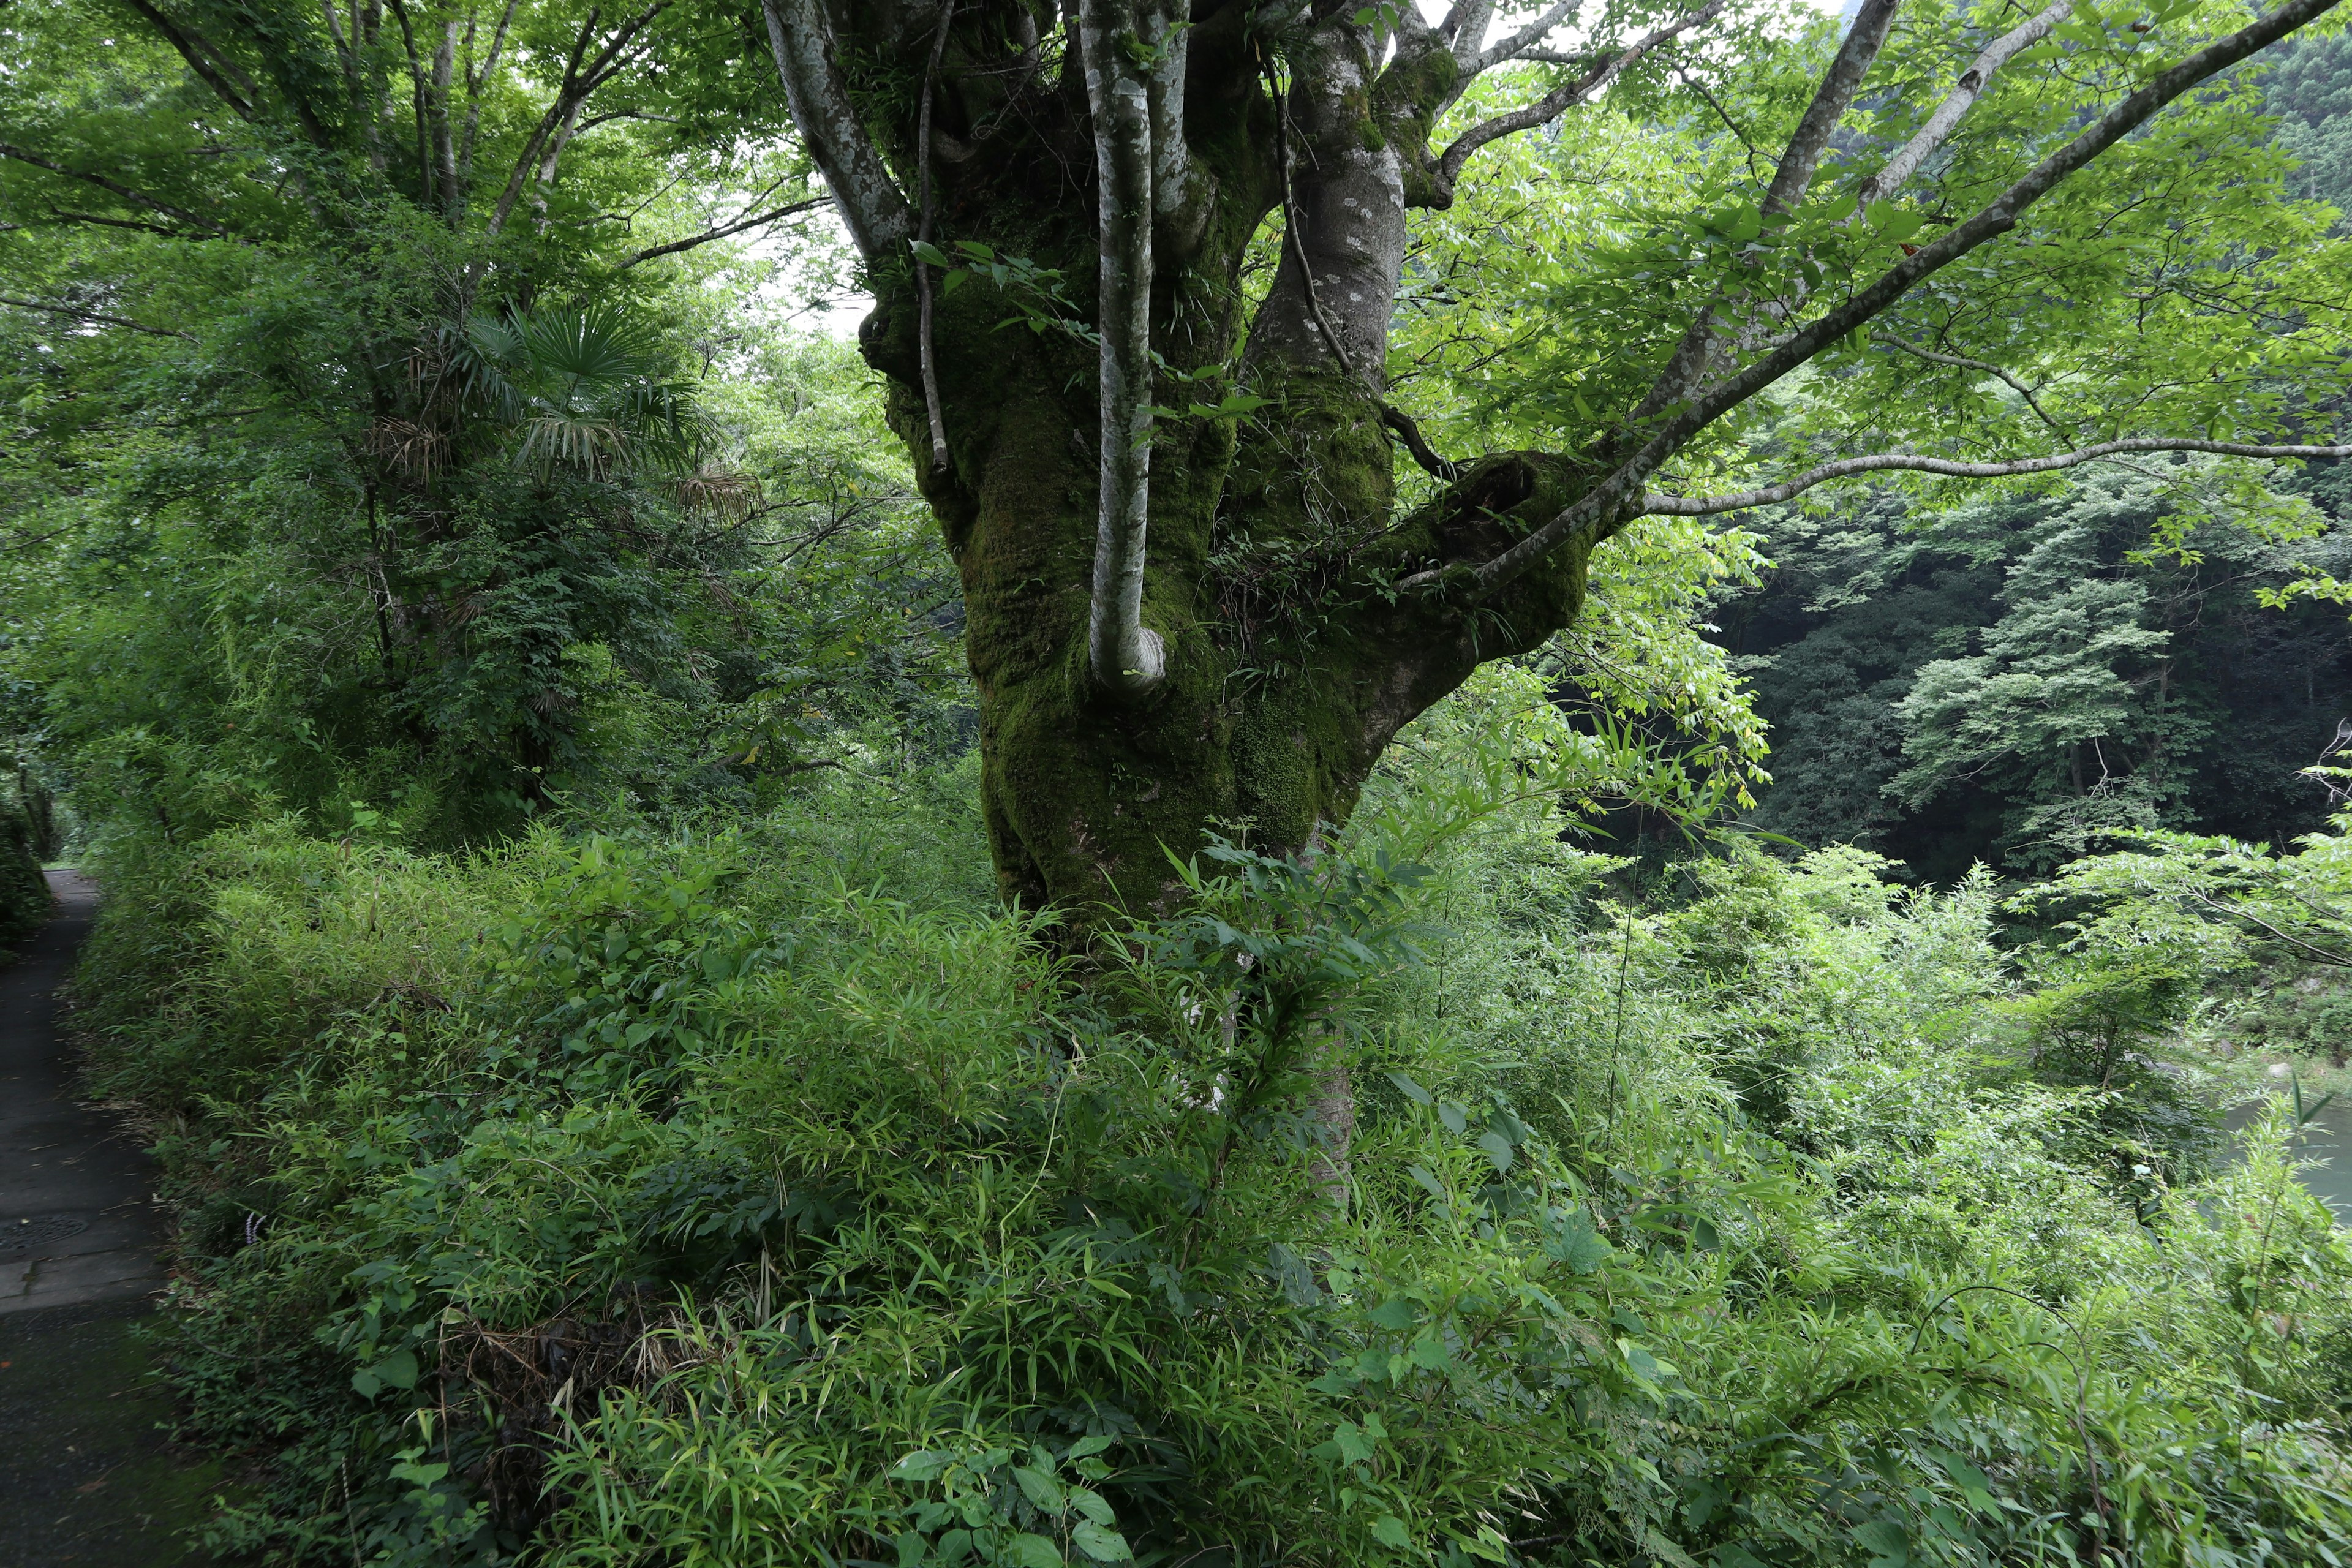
1276, 551
1231, 630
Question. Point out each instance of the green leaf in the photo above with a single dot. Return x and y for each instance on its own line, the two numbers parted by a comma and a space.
923, 1465
1041, 1488
1032, 1551
1498, 1149
1089, 1503
398, 1370
1396, 1314
1389, 1531
1887, 1543
1411, 1089
1102, 1544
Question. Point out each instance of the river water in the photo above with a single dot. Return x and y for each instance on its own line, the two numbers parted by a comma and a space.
2327, 1136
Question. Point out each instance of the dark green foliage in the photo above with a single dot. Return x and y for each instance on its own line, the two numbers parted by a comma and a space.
2310, 90
636, 1198
25, 896
2002, 681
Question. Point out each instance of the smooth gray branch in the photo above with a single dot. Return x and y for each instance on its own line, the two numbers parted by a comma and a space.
1127, 657
1475, 59
1654, 504
1961, 99
877, 212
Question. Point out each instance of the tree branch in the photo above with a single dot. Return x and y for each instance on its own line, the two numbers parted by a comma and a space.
1408, 434
927, 363
578, 84
1961, 362
1963, 96
1884, 462
1603, 505
94, 316
1559, 16
872, 204
9, 150
476, 80
1552, 105
193, 48
675, 246
1127, 657
62, 216
1464, 28
1830, 101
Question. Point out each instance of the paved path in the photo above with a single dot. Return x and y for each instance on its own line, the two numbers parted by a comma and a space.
87, 1478
78, 1223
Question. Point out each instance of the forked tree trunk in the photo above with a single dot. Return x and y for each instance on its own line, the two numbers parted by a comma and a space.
1290, 662
1275, 551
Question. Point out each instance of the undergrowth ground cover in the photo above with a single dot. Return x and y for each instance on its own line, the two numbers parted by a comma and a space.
766, 1194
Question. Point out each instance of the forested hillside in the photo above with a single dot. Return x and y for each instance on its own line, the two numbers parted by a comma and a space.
1482, 788
1997, 680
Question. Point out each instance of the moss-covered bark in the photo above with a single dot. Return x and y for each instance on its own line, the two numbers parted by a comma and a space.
1275, 557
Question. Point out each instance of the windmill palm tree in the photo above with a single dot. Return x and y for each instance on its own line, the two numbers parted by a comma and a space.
589, 390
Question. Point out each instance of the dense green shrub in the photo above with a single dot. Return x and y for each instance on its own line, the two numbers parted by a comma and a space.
769, 1197
25, 896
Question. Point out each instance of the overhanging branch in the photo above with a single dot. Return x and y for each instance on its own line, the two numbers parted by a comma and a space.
112, 187
1652, 505
1614, 496
94, 316
707, 235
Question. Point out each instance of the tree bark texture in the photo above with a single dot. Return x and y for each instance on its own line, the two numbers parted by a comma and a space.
1290, 657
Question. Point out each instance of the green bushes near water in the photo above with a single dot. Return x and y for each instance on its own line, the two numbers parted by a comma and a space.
765, 1195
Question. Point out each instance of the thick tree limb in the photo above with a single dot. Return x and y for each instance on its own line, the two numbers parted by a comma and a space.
1127, 657
207, 61
877, 211
1907, 462
1552, 105
1838, 85
1608, 502
707, 235
104, 320
1962, 98
1792, 175
113, 187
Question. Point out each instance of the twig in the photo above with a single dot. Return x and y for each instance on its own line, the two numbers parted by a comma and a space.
923, 236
